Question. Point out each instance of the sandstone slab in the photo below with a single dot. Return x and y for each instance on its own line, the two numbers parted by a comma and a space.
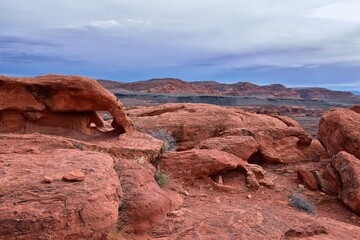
339, 131
51, 99
348, 168
31, 209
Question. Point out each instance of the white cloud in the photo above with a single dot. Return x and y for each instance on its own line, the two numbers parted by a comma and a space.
97, 24
138, 21
347, 10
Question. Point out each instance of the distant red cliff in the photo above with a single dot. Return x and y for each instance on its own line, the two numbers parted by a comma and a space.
178, 86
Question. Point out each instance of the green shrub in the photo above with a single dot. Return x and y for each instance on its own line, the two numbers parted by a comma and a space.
162, 179
300, 202
166, 137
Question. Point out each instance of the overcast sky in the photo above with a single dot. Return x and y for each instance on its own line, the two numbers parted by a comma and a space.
296, 43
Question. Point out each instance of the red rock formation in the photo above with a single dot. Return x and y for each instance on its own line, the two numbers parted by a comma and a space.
145, 204
205, 164
282, 144
56, 100
32, 209
291, 111
242, 146
356, 108
339, 131
307, 178
68, 187
177, 86
348, 168
192, 123
166, 85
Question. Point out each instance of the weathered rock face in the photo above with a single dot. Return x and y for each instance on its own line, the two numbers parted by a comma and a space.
36, 203
200, 163
356, 108
210, 165
293, 111
241, 146
191, 124
57, 101
145, 204
282, 144
340, 177
142, 203
307, 178
339, 131
278, 139
348, 168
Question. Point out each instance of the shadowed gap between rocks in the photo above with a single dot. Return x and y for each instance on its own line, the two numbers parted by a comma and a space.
256, 158
233, 177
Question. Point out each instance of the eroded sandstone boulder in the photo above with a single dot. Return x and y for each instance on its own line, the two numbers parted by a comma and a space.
145, 204
210, 165
348, 168
281, 144
307, 178
33, 209
204, 126
339, 131
356, 108
241, 146
68, 102
142, 203
191, 124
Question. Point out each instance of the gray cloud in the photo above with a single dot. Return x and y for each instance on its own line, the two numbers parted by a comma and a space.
118, 35
6, 41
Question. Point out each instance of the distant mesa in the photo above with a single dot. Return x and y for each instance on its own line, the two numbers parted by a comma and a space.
178, 86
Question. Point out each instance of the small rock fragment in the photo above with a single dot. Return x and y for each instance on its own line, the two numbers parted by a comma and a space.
267, 182
249, 196
47, 179
74, 176
307, 178
175, 214
219, 180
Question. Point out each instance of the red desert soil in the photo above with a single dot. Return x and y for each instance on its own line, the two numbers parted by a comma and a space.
77, 166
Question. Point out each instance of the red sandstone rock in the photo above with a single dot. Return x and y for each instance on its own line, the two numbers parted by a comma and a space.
47, 179
74, 176
331, 180
339, 131
89, 209
307, 178
241, 146
205, 164
348, 168
145, 204
282, 144
199, 163
356, 108
191, 124
288, 121
56, 99
290, 111
60, 210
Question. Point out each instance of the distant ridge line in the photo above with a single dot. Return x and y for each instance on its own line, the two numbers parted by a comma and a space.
179, 86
